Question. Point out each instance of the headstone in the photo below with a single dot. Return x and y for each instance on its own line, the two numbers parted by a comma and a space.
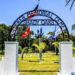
11, 59
66, 59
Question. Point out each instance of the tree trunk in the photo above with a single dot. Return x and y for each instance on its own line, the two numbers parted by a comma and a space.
57, 51
40, 54
22, 56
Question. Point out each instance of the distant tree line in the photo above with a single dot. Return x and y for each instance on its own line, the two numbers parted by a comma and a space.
27, 42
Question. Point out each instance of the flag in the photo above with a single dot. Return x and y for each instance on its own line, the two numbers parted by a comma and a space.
36, 8
26, 33
41, 30
39, 33
34, 13
53, 37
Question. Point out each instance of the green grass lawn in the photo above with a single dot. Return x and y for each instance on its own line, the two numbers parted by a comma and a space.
38, 73
32, 66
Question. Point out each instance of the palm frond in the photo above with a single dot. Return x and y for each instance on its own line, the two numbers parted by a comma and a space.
70, 1
72, 4
56, 44
67, 2
40, 47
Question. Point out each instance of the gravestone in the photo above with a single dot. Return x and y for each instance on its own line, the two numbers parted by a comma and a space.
11, 59
66, 58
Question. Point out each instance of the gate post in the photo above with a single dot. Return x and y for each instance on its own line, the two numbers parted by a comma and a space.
66, 59
11, 58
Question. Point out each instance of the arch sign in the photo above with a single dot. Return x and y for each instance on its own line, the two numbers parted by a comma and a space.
52, 19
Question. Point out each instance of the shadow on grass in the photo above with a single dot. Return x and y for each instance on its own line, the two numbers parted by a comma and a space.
36, 60
33, 61
36, 71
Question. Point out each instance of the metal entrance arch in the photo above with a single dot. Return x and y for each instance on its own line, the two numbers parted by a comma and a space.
53, 19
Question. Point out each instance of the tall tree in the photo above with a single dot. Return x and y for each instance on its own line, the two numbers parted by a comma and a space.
3, 35
73, 27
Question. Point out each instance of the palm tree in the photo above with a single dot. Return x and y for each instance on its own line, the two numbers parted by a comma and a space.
22, 50
50, 33
56, 44
40, 47
70, 1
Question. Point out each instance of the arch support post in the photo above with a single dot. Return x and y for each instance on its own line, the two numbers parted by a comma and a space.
66, 58
11, 58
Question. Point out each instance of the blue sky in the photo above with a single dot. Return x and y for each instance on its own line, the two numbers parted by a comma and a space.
11, 9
